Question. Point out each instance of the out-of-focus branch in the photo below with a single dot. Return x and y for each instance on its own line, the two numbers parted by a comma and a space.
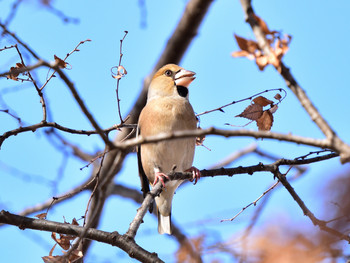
83, 107
234, 156
13, 35
114, 238
333, 139
317, 222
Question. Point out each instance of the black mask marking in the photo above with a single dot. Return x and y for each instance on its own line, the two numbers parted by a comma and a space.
183, 91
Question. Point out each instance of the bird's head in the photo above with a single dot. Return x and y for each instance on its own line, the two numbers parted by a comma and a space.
170, 80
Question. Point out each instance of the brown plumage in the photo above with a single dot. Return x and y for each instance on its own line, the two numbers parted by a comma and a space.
167, 110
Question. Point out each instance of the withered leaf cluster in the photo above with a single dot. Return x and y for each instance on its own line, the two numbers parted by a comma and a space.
255, 112
64, 241
14, 72
278, 46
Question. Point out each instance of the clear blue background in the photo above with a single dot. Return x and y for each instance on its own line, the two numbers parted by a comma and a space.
29, 163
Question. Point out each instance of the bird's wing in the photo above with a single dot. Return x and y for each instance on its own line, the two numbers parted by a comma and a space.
144, 180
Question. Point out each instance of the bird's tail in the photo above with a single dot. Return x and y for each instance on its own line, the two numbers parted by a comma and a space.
164, 224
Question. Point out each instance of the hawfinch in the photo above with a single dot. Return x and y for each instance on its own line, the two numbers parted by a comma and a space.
167, 110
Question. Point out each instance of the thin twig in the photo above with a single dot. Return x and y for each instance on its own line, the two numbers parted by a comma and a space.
252, 203
40, 94
83, 107
70, 53
121, 73
6, 31
249, 98
55, 125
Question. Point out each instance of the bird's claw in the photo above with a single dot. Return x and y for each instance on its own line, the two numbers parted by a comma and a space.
196, 174
159, 176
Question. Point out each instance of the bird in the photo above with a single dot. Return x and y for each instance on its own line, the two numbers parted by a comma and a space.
167, 110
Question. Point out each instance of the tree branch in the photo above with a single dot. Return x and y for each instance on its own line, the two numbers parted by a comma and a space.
321, 143
114, 238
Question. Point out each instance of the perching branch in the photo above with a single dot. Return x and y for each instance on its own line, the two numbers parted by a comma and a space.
320, 143
273, 168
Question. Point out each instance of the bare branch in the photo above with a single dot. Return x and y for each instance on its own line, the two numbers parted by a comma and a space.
121, 73
4, 28
40, 63
226, 133
83, 107
70, 53
55, 125
112, 238
252, 203
141, 212
235, 155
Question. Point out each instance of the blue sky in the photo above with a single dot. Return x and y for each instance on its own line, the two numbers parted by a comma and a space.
318, 59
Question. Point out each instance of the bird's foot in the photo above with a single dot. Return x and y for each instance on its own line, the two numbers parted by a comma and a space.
160, 176
196, 174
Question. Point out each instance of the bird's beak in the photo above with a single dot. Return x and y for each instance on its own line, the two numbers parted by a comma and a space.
184, 77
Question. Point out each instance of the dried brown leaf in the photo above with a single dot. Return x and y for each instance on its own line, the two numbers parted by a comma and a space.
60, 62
52, 249
117, 76
262, 101
274, 58
13, 74
265, 122
262, 24
247, 45
63, 241
53, 259
41, 216
273, 109
261, 61
278, 96
122, 71
252, 112
75, 255
75, 222
242, 53
14, 71
200, 139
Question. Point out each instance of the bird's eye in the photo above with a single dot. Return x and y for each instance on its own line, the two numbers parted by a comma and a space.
168, 73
